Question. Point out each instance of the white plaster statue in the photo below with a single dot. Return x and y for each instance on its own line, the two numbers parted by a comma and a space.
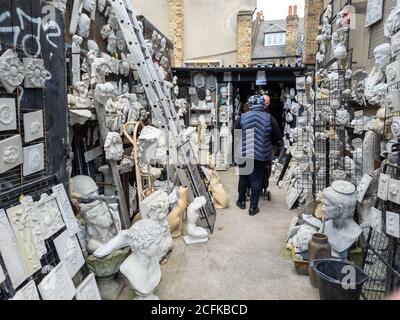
84, 26
392, 24
114, 116
76, 58
112, 43
374, 84
142, 267
339, 203
89, 5
104, 92
381, 124
195, 234
99, 68
156, 207
113, 147
133, 110
201, 130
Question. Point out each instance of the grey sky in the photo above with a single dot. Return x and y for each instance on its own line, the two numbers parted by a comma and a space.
278, 9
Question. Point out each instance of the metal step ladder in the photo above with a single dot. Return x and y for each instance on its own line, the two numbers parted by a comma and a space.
163, 110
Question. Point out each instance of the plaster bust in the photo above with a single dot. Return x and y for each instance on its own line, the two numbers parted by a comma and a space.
113, 146
141, 268
339, 203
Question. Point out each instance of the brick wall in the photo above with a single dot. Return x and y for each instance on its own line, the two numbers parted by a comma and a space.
312, 12
177, 30
244, 37
292, 33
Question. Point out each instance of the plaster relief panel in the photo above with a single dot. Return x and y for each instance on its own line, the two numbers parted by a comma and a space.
10, 252
88, 289
10, 153
66, 209
374, 12
69, 252
376, 219
34, 223
57, 285
35, 73
363, 186
393, 73
19, 221
8, 119
49, 215
33, 126
393, 101
393, 224
28, 292
12, 71
383, 186
394, 191
199, 80
33, 159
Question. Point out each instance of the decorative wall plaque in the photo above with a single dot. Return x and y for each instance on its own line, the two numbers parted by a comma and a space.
394, 191
57, 285
301, 83
33, 125
393, 73
363, 186
376, 219
10, 252
28, 292
69, 252
199, 80
88, 289
383, 186
49, 215
374, 12
66, 209
19, 221
35, 73
33, 159
393, 224
8, 118
10, 153
12, 71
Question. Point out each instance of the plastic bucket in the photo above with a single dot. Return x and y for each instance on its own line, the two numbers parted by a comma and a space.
338, 279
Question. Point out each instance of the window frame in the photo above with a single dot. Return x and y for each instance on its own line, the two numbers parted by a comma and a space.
274, 39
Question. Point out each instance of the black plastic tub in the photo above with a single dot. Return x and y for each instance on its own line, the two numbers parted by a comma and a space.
337, 280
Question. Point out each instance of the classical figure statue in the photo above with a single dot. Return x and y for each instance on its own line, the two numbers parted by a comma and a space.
142, 267
100, 227
339, 203
375, 83
195, 234
156, 207
175, 217
201, 131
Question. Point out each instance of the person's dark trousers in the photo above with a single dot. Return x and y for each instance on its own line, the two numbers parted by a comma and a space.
255, 182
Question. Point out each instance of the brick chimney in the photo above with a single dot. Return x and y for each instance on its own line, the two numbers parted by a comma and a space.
292, 30
244, 37
177, 29
312, 13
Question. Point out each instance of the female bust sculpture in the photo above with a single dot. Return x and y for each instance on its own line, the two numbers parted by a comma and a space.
142, 267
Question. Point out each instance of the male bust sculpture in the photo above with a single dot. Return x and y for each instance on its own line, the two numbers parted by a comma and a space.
141, 268
339, 203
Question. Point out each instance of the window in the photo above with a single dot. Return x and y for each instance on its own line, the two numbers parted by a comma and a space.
275, 39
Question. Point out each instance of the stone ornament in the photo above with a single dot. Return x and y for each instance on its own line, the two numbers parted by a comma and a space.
66, 210
10, 153
113, 147
33, 159
393, 73
28, 292
57, 285
394, 191
19, 222
199, 80
363, 186
195, 234
393, 224
10, 253
374, 12
376, 219
342, 117
383, 188
49, 215
69, 252
35, 225
396, 127
12, 71
8, 118
156, 207
35, 73
142, 267
33, 126
88, 289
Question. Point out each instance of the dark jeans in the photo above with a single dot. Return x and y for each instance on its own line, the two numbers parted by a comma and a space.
254, 181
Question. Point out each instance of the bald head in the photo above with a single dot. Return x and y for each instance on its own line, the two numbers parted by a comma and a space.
267, 101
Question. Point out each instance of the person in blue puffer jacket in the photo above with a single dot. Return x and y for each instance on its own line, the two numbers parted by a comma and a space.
260, 131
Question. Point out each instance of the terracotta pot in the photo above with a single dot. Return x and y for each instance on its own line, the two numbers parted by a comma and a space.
318, 248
